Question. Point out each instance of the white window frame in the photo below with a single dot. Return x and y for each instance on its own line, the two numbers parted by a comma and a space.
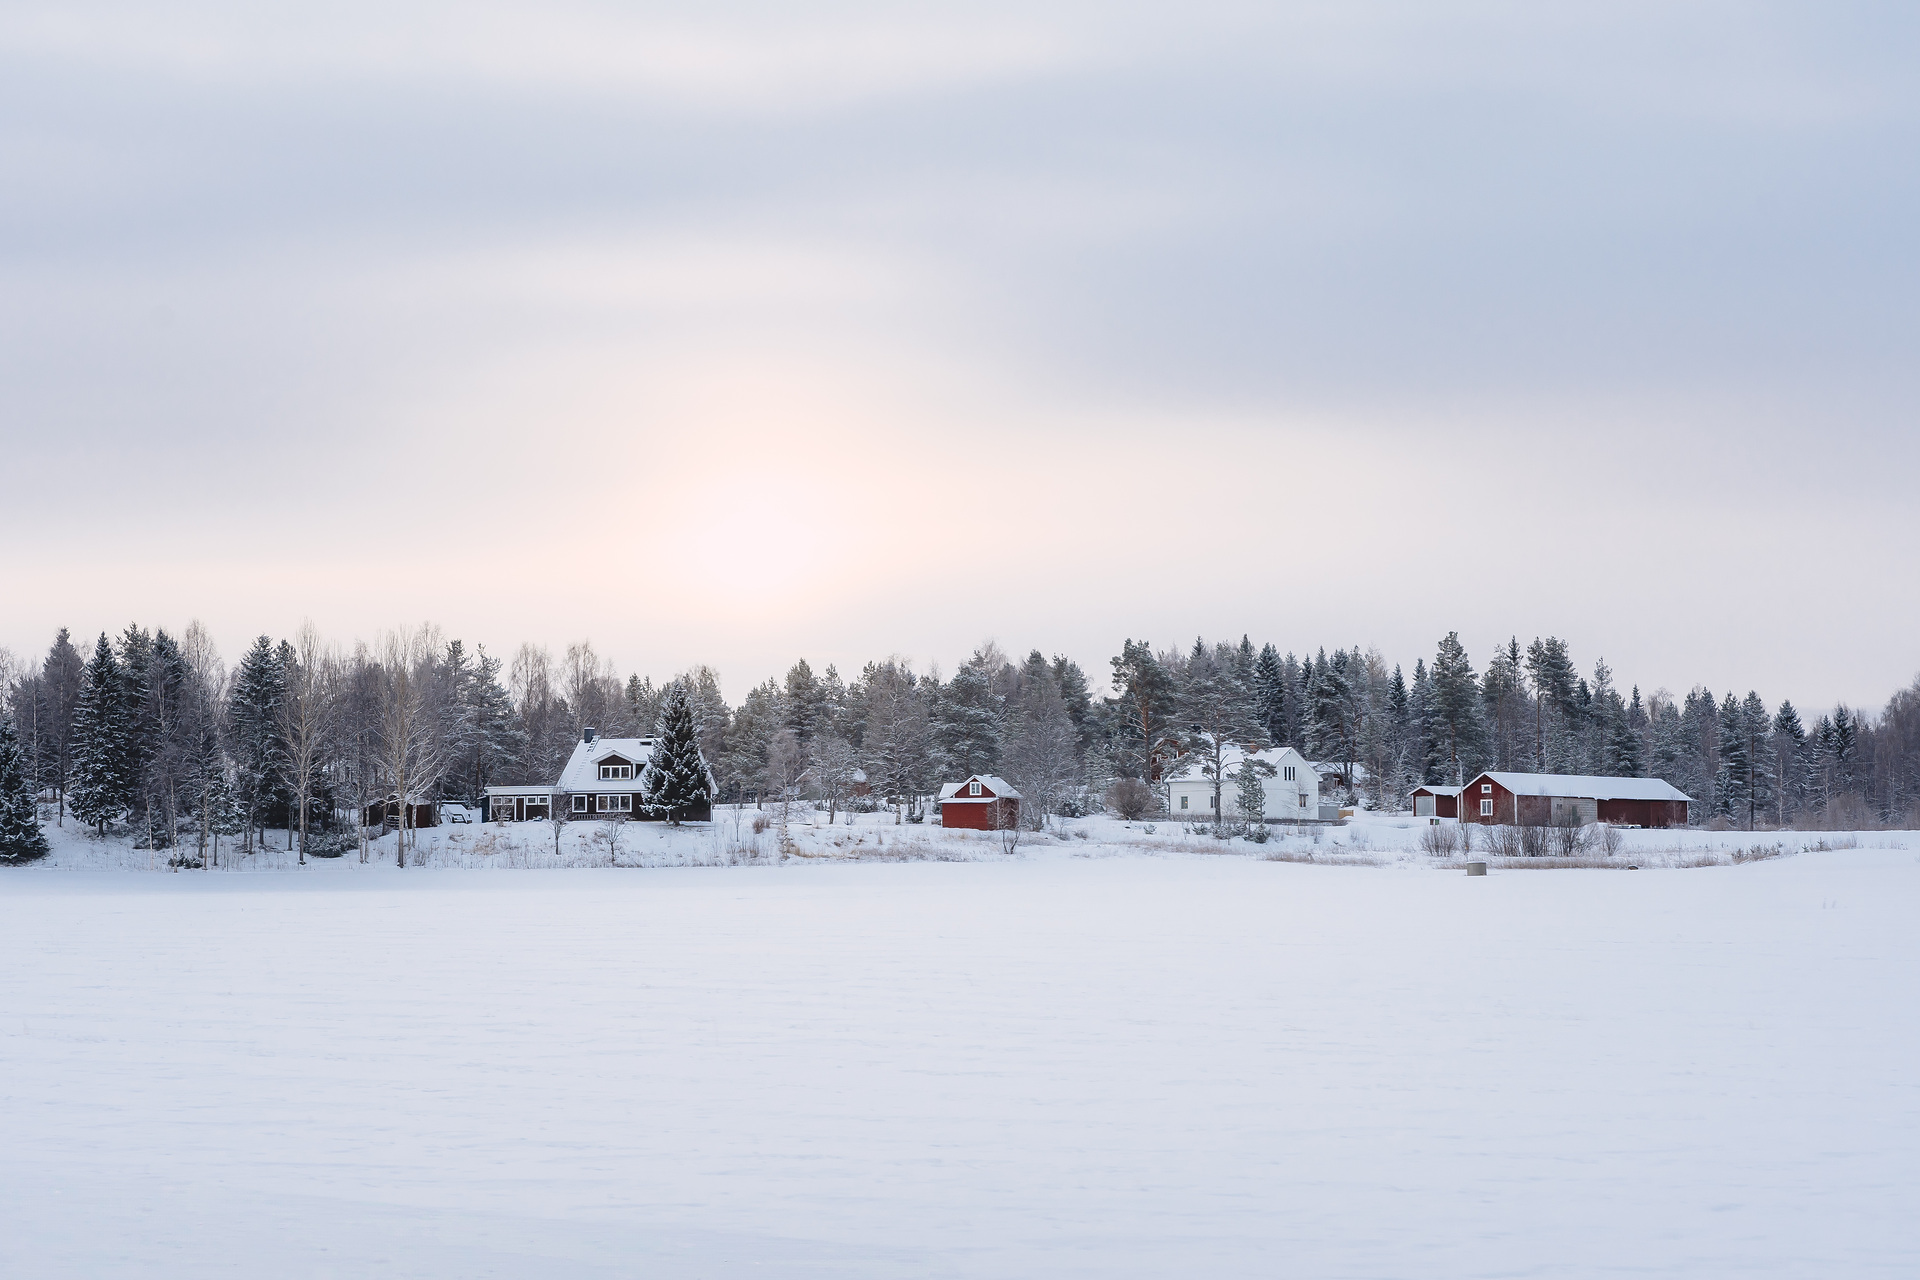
1288, 777
1183, 801
1486, 808
1486, 788
973, 787
616, 773
581, 804
1213, 802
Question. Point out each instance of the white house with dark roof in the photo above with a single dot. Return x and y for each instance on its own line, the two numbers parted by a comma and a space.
601, 779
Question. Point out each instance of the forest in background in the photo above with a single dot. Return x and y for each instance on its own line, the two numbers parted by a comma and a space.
158, 734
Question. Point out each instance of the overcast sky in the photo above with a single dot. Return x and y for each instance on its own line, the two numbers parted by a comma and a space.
733, 332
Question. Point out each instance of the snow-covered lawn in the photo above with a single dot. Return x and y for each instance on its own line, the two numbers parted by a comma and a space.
1112, 1065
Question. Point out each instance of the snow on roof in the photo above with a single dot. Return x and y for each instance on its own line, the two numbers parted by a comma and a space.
1230, 758
519, 791
1438, 791
583, 767
1580, 786
999, 786
1358, 771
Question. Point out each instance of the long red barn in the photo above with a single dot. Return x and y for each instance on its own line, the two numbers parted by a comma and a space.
1544, 799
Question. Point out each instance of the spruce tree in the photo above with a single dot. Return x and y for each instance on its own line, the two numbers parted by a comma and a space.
1456, 708
1072, 683
99, 789
1789, 761
1733, 782
259, 688
21, 839
1251, 793
1428, 753
1757, 724
968, 723
63, 672
1270, 694
675, 780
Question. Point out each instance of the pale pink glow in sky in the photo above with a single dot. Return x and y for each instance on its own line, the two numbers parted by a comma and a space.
716, 337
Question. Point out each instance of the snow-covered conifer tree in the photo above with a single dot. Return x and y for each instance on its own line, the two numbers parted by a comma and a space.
1733, 783
1270, 694
676, 781
99, 789
259, 687
968, 722
21, 839
1249, 791
1789, 762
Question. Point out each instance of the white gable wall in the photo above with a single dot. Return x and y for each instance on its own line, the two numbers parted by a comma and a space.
1288, 800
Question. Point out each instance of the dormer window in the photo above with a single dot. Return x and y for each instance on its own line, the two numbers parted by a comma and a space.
973, 787
616, 772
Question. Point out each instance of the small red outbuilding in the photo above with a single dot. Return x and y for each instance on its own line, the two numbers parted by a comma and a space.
981, 803
1435, 802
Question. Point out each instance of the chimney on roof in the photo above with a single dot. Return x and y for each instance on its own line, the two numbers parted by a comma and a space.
586, 734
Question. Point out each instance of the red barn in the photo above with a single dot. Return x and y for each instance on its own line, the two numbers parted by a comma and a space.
1544, 799
981, 803
1435, 802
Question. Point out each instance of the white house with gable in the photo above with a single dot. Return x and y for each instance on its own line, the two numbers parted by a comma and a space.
602, 779
1293, 792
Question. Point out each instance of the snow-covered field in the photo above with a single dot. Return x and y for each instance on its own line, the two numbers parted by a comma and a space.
1090, 1059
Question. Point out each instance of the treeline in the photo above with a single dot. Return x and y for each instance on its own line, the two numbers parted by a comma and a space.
155, 732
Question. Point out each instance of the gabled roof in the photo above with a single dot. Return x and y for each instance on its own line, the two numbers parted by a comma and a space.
1437, 791
1230, 758
1581, 786
1000, 787
583, 767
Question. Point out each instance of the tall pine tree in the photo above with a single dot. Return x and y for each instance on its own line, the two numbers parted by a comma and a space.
21, 839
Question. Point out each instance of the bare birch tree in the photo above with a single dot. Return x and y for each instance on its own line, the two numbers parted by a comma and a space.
411, 754
308, 714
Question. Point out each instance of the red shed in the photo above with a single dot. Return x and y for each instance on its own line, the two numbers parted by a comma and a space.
1435, 802
1542, 799
981, 803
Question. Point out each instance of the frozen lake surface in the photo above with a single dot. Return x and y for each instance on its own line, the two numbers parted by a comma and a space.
1049, 1067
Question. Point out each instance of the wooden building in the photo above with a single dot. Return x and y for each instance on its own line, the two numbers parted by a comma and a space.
1550, 799
1435, 802
981, 803
518, 804
1292, 791
386, 813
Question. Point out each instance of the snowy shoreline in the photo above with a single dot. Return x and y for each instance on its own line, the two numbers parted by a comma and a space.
1369, 840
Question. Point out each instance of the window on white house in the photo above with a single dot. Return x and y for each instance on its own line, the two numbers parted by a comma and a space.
580, 804
1486, 808
973, 788
1183, 801
1213, 802
1289, 775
